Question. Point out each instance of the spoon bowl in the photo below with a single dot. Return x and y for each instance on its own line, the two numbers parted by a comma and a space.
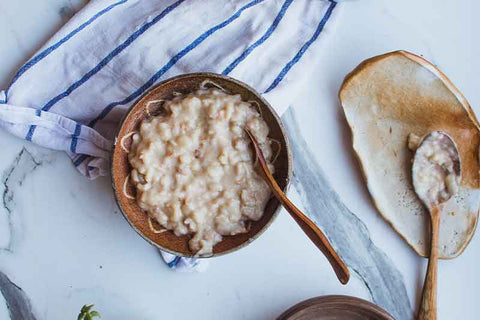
438, 152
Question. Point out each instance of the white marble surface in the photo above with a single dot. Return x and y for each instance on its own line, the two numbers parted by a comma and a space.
70, 246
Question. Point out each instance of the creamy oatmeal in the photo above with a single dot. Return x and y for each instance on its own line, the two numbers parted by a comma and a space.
193, 168
435, 175
413, 141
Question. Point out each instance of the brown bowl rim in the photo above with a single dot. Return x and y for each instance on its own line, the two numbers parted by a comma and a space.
275, 116
338, 301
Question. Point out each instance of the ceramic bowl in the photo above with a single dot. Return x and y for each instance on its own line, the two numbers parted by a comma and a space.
166, 90
335, 307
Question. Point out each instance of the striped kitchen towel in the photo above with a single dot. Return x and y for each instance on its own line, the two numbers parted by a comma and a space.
72, 93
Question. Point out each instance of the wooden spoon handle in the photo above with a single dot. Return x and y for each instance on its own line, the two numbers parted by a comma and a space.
428, 306
317, 237
310, 228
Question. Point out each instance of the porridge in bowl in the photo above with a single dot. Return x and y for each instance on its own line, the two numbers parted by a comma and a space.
193, 169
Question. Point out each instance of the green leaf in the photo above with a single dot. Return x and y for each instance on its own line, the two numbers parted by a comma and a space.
87, 314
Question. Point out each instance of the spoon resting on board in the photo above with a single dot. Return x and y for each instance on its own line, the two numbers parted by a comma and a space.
310, 228
436, 175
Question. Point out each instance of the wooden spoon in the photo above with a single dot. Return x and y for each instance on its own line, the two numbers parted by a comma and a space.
425, 166
310, 228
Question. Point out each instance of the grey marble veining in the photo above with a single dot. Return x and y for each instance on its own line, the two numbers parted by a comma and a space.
347, 233
18, 304
84, 209
67, 10
13, 177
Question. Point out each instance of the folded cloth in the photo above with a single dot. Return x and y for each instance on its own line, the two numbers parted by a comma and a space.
72, 93
181, 264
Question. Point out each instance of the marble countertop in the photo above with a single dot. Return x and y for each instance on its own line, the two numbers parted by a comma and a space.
63, 242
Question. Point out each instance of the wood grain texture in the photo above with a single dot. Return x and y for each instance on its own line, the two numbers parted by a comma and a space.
335, 308
307, 225
428, 306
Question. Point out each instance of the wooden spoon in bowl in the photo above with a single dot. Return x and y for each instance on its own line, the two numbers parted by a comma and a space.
310, 228
436, 175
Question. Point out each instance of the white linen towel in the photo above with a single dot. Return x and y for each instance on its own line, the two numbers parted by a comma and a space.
73, 92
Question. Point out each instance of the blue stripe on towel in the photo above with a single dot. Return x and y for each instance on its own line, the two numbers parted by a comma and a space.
53, 47
79, 160
73, 144
29, 135
267, 34
166, 67
174, 262
172, 62
304, 48
109, 57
